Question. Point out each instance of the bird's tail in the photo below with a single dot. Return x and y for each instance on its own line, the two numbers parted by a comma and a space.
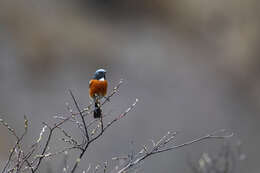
97, 110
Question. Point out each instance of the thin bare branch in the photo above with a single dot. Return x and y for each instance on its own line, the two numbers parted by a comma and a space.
158, 147
81, 114
44, 149
18, 141
101, 133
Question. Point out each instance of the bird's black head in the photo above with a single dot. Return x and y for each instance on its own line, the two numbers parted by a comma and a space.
99, 74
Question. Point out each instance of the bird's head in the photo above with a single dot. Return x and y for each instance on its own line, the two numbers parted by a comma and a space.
100, 74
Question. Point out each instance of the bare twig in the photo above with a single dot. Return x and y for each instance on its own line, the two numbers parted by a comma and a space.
9, 128
158, 147
71, 139
81, 115
33, 166
92, 131
86, 111
101, 133
45, 148
18, 141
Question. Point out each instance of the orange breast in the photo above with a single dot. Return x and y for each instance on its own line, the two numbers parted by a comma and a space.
98, 88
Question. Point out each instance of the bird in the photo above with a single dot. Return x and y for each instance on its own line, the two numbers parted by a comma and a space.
97, 90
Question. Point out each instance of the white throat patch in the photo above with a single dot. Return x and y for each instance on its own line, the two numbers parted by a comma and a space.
102, 79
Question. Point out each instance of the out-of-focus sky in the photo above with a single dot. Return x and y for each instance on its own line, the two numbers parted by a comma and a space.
194, 65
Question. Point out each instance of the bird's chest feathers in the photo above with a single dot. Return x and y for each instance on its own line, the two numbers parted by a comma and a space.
98, 87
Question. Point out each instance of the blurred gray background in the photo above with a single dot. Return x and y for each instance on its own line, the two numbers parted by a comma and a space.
194, 65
